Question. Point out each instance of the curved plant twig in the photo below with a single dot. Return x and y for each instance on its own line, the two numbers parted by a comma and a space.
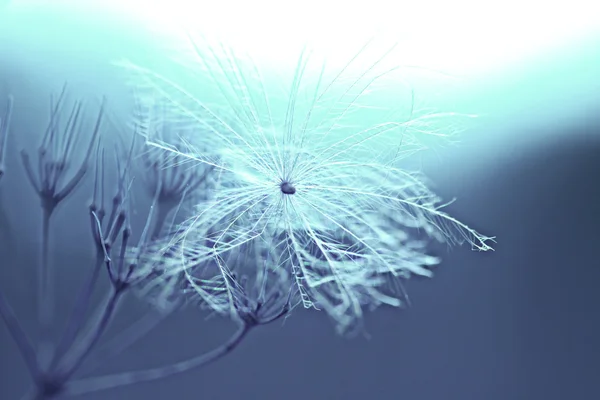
113, 224
111, 232
252, 305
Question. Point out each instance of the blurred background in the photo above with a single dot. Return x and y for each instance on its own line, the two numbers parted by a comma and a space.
519, 323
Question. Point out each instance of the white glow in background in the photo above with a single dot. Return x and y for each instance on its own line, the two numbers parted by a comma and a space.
518, 58
461, 36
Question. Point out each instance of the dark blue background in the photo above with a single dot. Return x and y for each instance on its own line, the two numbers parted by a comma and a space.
519, 323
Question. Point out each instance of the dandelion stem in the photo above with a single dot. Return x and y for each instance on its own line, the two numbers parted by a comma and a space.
19, 336
88, 385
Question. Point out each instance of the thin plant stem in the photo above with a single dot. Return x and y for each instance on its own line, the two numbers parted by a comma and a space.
88, 385
126, 338
77, 319
45, 296
74, 360
20, 337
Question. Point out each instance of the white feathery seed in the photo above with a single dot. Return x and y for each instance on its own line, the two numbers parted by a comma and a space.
309, 169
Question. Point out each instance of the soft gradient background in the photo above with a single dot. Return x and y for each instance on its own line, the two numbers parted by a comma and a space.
519, 323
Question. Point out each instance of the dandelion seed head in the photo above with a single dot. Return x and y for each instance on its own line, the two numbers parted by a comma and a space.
309, 175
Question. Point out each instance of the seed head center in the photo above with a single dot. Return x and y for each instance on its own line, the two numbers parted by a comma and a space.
287, 188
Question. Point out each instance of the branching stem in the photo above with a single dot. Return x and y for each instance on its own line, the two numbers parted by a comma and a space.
79, 353
20, 337
89, 385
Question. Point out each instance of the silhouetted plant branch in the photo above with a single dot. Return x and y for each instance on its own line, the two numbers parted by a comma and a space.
52, 185
53, 366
